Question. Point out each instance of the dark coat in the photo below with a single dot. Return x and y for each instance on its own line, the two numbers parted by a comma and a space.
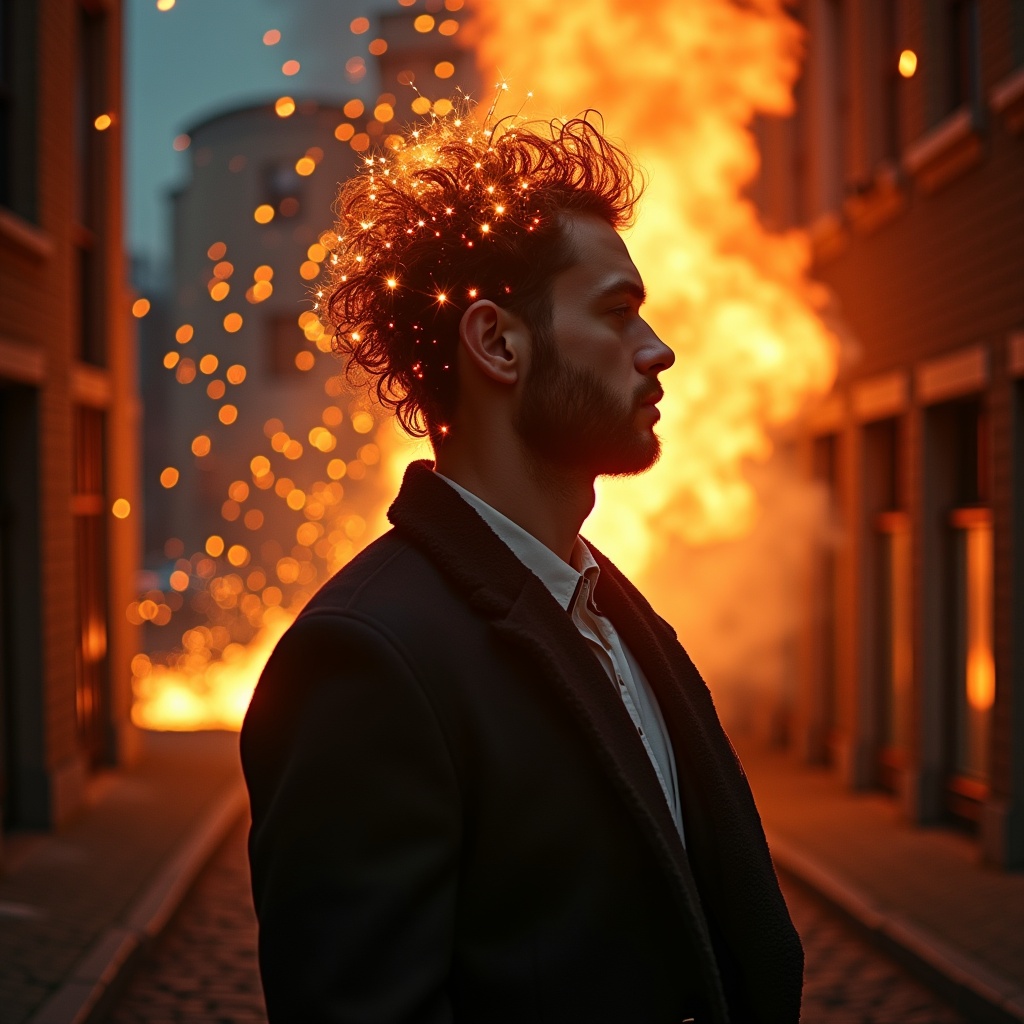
454, 817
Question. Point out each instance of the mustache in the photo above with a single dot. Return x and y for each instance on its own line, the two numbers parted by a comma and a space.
646, 390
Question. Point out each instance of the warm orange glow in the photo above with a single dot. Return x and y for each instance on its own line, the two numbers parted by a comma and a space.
164, 5
420, 105
215, 389
217, 251
235, 373
171, 360
309, 269
219, 290
344, 132
284, 106
908, 63
271, 37
121, 508
181, 143
103, 122
423, 23
448, 27
140, 307
201, 446
291, 67
360, 142
209, 363
354, 108
263, 214
305, 360
179, 580
981, 675
263, 273
233, 322
445, 69
227, 414
378, 47
384, 112
362, 422
454, 5
214, 546
305, 166
184, 334
355, 68
169, 477
359, 25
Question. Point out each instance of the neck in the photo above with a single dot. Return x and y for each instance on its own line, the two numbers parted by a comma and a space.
547, 501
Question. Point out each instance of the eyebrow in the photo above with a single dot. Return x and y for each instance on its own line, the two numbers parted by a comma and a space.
620, 286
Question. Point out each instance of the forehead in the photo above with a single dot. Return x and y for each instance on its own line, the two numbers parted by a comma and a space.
599, 258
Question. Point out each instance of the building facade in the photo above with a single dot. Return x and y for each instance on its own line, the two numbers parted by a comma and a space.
68, 410
905, 162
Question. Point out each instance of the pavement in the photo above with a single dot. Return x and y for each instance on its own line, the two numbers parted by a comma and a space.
921, 894
80, 907
82, 910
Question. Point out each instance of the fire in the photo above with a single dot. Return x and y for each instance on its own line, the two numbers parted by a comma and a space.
680, 84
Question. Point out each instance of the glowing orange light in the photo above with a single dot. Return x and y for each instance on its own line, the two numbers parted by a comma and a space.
392, 282
423, 23
263, 214
183, 334
223, 269
362, 422
908, 63
378, 47
420, 105
219, 290
384, 112
227, 414
291, 67
103, 122
354, 108
214, 546
359, 25
271, 37
309, 269
304, 361
284, 106
355, 68
217, 251
121, 508
140, 307
233, 322
448, 27
305, 166
201, 446
360, 142
263, 273
171, 360
181, 142
164, 5
454, 5
209, 363
179, 580
235, 374
169, 477
344, 132
215, 389
443, 106
444, 69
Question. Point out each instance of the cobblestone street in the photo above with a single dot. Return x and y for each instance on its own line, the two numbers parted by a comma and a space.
204, 969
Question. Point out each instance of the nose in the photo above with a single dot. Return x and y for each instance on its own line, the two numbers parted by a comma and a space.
654, 356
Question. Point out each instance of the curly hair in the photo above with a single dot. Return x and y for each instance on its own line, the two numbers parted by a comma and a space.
461, 212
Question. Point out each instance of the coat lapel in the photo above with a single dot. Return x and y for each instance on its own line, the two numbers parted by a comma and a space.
522, 610
725, 841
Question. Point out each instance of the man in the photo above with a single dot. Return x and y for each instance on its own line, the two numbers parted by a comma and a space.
487, 783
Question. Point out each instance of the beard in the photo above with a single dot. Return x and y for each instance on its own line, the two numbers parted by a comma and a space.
570, 418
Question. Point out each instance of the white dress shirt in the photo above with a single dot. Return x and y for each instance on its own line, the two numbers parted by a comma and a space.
572, 586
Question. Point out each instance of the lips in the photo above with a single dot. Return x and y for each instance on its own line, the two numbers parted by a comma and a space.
654, 398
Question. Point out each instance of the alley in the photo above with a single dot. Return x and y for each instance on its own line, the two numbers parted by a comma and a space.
204, 968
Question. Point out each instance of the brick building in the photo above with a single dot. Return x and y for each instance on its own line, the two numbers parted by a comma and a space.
67, 409
905, 161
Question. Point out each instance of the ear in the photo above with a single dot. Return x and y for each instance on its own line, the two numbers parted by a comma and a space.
494, 340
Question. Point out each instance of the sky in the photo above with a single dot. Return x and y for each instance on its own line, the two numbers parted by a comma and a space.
202, 57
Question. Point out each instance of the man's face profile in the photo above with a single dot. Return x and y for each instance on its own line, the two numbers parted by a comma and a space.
588, 400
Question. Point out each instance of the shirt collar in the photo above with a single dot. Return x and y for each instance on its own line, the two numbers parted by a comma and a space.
563, 581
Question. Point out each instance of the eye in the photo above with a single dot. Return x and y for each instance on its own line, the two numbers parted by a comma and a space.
620, 311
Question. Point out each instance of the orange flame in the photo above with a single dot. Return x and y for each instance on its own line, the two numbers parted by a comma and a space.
681, 85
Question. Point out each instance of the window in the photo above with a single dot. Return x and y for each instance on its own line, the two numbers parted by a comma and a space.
285, 341
88, 506
90, 200
283, 188
961, 436
891, 577
821, 740
18, 74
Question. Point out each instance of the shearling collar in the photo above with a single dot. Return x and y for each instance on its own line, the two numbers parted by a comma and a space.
728, 869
